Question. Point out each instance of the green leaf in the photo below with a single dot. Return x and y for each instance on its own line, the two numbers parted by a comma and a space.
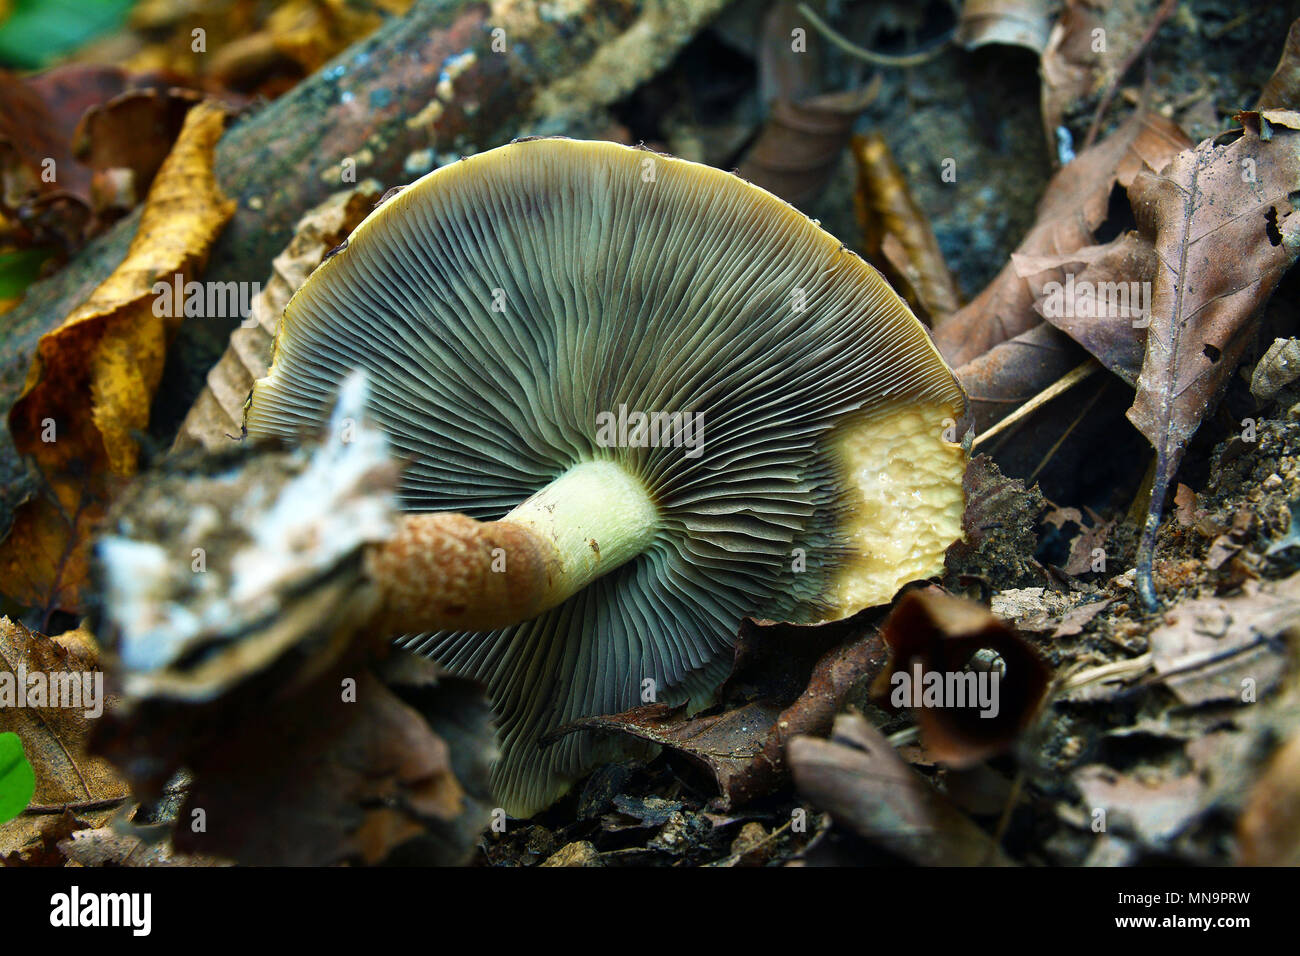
19, 269
17, 781
40, 31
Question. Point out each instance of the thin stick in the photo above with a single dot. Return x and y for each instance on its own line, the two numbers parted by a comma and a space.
1004, 820
1064, 383
1066, 434
1115, 670
871, 56
1162, 14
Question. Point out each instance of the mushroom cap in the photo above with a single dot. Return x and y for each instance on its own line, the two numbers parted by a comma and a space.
501, 303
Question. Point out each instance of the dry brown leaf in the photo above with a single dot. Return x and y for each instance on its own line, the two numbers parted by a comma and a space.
217, 416
862, 782
1282, 91
897, 236
38, 115
321, 777
1223, 224
1089, 45
1155, 811
1103, 307
1012, 372
92, 379
783, 73
47, 187
800, 145
1207, 647
134, 130
742, 748
1278, 368
55, 738
1073, 206
253, 47
108, 846
1025, 23
1077, 618
1082, 557
309, 32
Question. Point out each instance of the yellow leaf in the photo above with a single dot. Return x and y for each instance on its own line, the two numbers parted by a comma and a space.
93, 378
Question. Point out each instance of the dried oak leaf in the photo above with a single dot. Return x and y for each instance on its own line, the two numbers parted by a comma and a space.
743, 747
259, 47
1090, 539
93, 378
217, 417
784, 73
51, 193
1223, 224
1077, 618
1012, 372
933, 633
55, 738
861, 781
1103, 307
38, 115
109, 846
135, 130
1278, 368
1073, 206
1155, 811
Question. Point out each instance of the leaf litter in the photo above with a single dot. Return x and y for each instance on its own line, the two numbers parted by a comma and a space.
800, 751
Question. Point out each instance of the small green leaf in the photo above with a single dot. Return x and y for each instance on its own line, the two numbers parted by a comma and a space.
38, 32
17, 782
19, 269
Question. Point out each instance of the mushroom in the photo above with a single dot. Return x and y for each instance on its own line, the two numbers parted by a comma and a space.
640, 400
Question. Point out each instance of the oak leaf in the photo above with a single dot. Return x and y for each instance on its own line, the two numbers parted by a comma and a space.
1074, 205
1224, 228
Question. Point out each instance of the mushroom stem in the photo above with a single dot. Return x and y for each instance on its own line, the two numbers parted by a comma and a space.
446, 571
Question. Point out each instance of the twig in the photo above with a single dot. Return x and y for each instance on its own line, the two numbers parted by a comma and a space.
871, 56
1115, 670
1064, 383
1066, 434
1004, 821
103, 804
1162, 14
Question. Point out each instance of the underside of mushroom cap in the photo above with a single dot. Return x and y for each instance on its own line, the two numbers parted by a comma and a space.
503, 303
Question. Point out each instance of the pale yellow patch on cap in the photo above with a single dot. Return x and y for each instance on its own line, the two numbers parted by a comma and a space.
905, 487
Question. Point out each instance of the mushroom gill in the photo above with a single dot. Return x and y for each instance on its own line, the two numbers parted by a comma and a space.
509, 307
